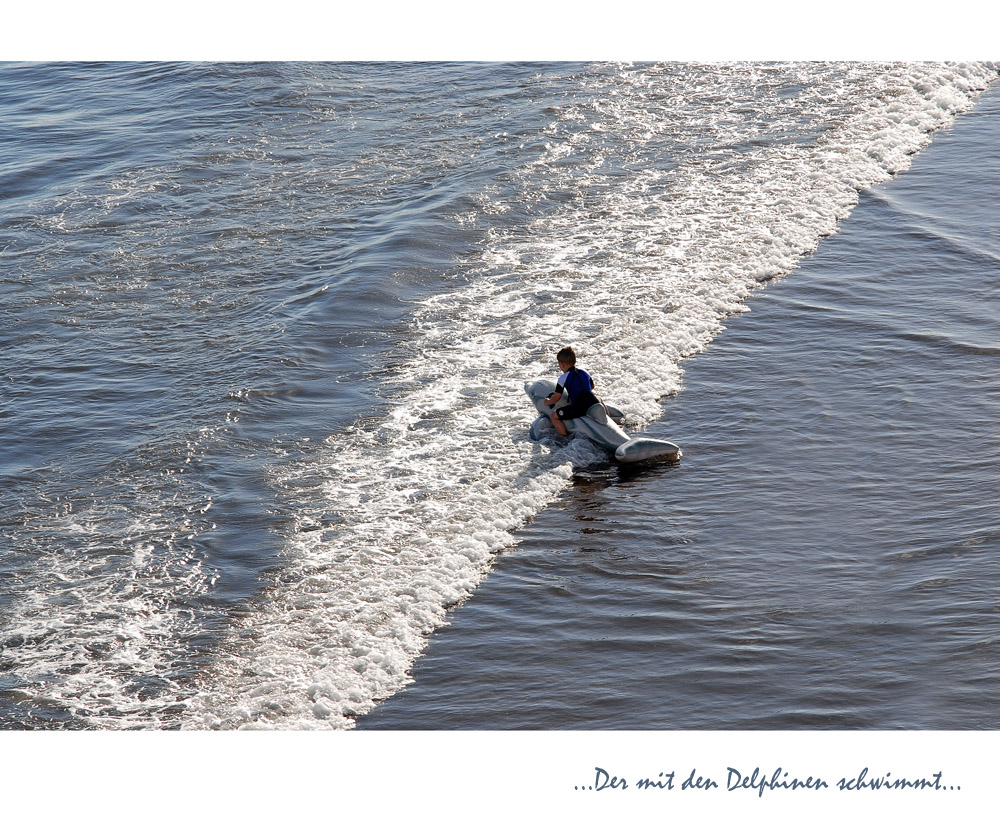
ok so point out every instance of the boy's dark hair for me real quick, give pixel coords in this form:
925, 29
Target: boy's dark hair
567, 355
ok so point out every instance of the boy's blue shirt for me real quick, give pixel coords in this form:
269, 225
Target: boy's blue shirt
571, 381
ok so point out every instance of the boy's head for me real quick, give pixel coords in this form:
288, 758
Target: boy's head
567, 357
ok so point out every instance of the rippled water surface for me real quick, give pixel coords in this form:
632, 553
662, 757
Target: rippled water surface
825, 556
265, 328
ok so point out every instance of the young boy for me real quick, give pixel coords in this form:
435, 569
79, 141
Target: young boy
580, 387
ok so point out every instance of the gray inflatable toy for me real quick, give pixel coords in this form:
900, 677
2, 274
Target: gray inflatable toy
600, 426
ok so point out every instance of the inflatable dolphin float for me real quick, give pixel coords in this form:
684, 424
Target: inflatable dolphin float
600, 426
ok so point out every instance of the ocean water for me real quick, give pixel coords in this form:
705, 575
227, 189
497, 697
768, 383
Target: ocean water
264, 442
825, 555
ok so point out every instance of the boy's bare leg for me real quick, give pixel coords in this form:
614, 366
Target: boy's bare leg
558, 424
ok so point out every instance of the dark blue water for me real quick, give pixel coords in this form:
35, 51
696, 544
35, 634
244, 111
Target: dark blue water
261, 426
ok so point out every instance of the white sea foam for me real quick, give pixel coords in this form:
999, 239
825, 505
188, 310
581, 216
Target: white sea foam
110, 609
678, 189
